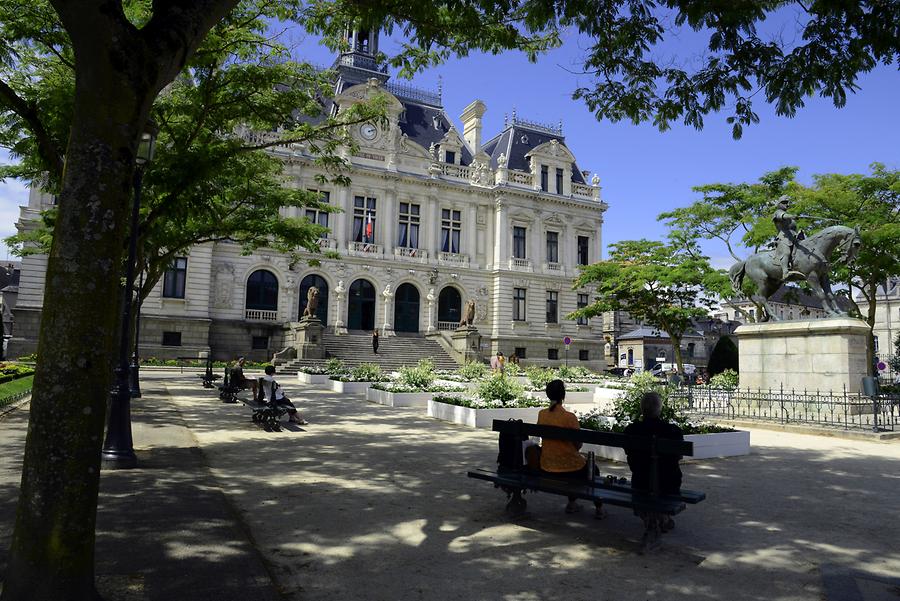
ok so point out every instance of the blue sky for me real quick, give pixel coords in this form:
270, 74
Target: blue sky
644, 172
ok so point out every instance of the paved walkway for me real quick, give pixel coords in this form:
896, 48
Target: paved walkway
372, 503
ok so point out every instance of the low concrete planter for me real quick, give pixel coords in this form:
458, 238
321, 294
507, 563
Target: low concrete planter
350, 387
706, 446
605, 397
398, 399
479, 418
305, 378
470, 386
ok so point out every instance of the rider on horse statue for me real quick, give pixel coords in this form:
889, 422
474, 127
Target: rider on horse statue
787, 239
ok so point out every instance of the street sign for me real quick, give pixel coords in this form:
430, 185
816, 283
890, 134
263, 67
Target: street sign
567, 341
881, 366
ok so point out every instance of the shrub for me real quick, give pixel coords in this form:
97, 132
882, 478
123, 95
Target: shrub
335, 367
539, 376
501, 389
473, 370
366, 372
628, 408
419, 377
727, 379
32, 358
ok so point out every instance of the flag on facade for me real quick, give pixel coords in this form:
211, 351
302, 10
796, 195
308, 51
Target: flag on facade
368, 227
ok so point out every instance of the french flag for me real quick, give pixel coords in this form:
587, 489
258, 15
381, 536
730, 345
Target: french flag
369, 227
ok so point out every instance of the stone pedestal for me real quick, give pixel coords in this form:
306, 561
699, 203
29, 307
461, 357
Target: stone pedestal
467, 342
307, 338
815, 354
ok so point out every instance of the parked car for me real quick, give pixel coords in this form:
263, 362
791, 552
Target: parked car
617, 371
662, 370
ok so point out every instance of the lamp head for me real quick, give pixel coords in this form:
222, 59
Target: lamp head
147, 145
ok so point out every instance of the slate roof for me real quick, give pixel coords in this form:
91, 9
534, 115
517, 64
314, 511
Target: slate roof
419, 125
647, 332
516, 141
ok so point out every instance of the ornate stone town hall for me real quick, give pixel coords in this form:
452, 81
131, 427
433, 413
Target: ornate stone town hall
436, 216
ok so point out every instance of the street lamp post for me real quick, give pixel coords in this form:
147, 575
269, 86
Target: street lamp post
118, 448
135, 358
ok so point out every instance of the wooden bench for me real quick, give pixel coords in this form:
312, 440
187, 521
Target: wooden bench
515, 478
208, 377
228, 391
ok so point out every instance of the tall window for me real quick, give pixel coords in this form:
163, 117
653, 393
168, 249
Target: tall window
363, 219
583, 250
545, 176
559, 180
317, 216
173, 281
518, 242
408, 232
518, 304
552, 306
450, 157
262, 291
451, 224
582, 303
553, 247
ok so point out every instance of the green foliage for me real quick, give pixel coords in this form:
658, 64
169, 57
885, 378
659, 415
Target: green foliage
473, 370
539, 376
15, 371
728, 380
335, 367
894, 361
14, 389
366, 372
664, 285
32, 358
628, 68
500, 388
419, 377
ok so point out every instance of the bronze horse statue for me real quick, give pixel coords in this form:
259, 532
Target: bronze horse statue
810, 258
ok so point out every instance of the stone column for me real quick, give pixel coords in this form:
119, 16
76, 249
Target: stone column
470, 231
387, 216
537, 243
340, 327
341, 229
387, 329
431, 221
501, 234
430, 329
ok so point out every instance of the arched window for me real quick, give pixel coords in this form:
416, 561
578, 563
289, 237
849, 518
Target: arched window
406, 309
361, 306
262, 291
320, 283
449, 305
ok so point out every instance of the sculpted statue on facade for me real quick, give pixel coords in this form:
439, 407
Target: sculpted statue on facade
501, 160
312, 302
468, 316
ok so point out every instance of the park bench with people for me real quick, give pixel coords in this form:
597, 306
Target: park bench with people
265, 411
229, 389
515, 477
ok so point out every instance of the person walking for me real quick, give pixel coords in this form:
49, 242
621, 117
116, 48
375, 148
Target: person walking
375, 342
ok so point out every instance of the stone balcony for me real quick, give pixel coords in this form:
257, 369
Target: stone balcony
554, 268
453, 259
417, 255
364, 249
517, 264
260, 315
327, 244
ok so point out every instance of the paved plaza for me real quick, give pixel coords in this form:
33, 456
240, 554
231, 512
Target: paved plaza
372, 503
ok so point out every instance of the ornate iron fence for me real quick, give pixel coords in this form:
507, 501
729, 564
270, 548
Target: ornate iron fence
847, 411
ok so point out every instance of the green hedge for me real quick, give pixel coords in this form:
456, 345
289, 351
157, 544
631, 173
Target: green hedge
14, 390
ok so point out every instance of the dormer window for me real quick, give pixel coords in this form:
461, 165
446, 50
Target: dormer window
545, 176
450, 157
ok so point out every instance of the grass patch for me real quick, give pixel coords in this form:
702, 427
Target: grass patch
9, 391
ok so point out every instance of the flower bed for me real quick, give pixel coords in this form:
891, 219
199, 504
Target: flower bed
397, 394
572, 396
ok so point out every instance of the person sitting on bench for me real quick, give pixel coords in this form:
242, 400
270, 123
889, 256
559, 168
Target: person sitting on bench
274, 389
239, 380
561, 457
668, 471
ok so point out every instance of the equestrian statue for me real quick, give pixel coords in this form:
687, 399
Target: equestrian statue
796, 257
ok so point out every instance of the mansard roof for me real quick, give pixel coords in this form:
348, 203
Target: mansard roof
426, 125
518, 139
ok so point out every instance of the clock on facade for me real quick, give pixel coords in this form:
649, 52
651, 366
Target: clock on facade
368, 131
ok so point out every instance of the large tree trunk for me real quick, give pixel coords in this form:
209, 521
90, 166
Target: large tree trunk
872, 286
52, 552
676, 350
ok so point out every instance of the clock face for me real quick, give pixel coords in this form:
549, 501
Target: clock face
368, 131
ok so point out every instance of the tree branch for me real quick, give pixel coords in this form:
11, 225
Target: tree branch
28, 112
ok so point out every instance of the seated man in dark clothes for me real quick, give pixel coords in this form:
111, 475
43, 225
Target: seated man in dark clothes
669, 473
238, 378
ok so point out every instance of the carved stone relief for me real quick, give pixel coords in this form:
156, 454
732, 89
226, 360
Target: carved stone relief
223, 285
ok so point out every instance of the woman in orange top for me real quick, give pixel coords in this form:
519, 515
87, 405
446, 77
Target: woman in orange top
561, 457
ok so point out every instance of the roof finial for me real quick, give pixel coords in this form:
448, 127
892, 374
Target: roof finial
440, 87
560, 126
514, 116
505, 120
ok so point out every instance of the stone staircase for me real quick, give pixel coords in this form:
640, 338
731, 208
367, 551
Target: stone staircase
393, 352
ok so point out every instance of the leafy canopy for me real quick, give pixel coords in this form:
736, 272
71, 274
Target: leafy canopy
665, 285
816, 48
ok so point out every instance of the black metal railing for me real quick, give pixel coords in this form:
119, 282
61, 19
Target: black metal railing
844, 410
